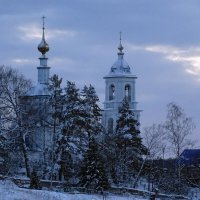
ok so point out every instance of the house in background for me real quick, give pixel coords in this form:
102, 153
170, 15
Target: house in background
190, 157
190, 165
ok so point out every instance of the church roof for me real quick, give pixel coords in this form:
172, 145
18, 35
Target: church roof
120, 66
39, 90
190, 157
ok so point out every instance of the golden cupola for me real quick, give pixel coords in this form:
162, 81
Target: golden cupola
43, 47
43, 69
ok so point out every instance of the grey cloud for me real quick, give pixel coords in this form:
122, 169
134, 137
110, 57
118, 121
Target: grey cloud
93, 49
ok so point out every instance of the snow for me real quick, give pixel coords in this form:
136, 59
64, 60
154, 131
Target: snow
39, 89
9, 191
120, 67
195, 194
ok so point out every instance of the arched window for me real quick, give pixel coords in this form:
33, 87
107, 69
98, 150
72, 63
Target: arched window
111, 92
128, 92
110, 125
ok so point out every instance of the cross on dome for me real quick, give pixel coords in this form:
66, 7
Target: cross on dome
120, 47
120, 67
43, 47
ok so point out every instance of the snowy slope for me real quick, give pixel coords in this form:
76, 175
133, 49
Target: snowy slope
9, 191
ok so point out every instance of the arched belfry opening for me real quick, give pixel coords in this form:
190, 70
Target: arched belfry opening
110, 125
120, 84
128, 92
112, 92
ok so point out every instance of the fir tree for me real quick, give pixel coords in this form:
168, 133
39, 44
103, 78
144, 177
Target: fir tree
72, 115
110, 152
129, 147
56, 98
56, 102
92, 116
92, 173
66, 165
69, 142
73, 119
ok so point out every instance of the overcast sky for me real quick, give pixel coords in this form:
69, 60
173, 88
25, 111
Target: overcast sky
161, 40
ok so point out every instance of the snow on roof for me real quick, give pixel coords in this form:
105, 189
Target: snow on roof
39, 90
120, 66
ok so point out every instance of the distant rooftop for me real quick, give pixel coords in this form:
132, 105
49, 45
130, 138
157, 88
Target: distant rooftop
190, 157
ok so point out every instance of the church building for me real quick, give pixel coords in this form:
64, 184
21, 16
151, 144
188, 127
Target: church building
120, 84
39, 138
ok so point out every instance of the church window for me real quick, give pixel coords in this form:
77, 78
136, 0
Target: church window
111, 92
110, 125
128, 92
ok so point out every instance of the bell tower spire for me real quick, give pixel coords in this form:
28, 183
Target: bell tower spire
120, 84
120, 47
43, 48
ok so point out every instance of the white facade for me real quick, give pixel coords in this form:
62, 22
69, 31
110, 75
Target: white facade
120, 83
36, 104
41, 89
43, 71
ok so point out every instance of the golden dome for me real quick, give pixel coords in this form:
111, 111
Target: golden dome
43, 47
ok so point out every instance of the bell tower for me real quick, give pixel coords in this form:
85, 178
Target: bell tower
120, 83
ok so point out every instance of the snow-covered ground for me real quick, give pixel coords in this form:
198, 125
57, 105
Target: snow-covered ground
9, 191
195, 194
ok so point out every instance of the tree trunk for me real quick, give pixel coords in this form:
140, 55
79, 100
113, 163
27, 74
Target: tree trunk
26, 160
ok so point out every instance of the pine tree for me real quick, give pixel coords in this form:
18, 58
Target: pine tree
109, 150
129, 147
73, 119
72, 115
92, 111
56, 102
92, 173
70, 141
92, 130
66, 165
56, 99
